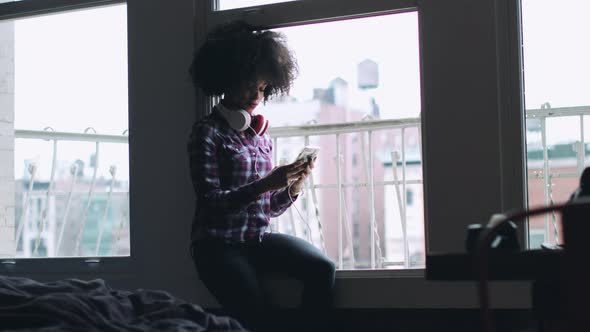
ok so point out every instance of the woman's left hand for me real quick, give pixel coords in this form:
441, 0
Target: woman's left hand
297, 185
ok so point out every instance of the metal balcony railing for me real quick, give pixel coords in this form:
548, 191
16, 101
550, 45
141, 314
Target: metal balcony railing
89, 135
366, 128
579, 148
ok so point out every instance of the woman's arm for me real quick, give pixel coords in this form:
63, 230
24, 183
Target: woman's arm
280, 201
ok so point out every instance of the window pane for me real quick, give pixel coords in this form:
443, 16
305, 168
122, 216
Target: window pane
556, 53
346, 76
231, 4
64, 79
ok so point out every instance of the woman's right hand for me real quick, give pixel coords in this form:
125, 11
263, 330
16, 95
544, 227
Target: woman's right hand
281, 176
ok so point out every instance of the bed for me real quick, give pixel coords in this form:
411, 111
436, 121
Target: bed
77, 305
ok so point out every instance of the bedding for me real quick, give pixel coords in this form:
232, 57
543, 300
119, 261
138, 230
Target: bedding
76, 305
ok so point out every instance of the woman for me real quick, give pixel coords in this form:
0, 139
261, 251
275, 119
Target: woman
238, 190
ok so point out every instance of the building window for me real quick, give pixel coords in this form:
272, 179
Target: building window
63, 84
556, 71
409, 197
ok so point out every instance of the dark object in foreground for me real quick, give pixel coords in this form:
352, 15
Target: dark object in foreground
76, 305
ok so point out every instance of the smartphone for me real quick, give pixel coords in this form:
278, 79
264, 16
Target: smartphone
308, 153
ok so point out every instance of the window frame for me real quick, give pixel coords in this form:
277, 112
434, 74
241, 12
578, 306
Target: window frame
499, 184
510, 69
56, 265
300, 12
295, 13
25, 8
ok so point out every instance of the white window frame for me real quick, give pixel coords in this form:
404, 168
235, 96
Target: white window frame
65, 265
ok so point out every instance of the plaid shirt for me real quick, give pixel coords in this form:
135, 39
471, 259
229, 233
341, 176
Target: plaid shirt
224, 165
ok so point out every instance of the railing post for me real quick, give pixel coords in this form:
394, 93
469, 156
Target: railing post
546, 177
124, 217
346, 220
582, 148
340, 198
275, 226
47, 206
405, 201
25, 206
77, 249
113, 172
74, 172
371, 197
308, 208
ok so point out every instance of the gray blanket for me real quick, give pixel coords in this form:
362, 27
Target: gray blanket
76, 305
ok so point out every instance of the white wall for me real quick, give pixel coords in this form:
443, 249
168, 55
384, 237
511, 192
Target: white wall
460, 114
161, 111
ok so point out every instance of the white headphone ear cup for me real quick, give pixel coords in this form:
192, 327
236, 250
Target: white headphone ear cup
244, 120
238, 120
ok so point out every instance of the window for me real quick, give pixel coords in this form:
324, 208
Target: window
359, 100
556, 71
63, 84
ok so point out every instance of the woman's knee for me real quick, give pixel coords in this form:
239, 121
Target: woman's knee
323, 268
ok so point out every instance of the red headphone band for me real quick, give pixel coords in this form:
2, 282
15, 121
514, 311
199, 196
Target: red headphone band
264, 128
259, 124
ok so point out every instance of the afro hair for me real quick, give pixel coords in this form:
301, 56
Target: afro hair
236, 53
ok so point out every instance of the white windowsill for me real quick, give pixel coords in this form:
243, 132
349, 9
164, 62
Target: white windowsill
382, 273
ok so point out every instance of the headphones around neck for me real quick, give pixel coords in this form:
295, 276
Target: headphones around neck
241, 120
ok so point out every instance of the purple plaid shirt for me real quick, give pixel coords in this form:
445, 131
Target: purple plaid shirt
224, 164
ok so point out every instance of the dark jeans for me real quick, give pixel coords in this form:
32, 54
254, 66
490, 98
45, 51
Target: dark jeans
231, 273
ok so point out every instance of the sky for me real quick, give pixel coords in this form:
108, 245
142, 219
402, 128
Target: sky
71, 74
328, 51
556, 56
71, 69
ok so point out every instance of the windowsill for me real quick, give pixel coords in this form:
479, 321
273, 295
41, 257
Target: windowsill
66, 265
57, 265
404, 289
382, 273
